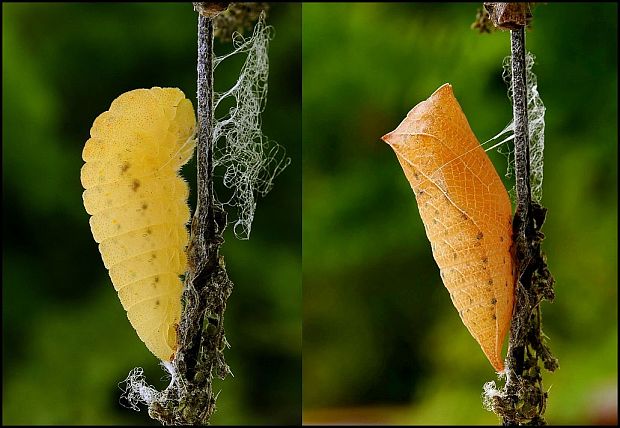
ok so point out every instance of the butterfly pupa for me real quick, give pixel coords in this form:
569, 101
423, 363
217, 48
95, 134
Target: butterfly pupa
466, 213
138, 206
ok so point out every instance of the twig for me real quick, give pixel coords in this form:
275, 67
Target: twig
189, 400
522, 145
522, 175
516, 348
523, 399
207, 285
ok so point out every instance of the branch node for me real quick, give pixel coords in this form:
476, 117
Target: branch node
509, 16
210, 9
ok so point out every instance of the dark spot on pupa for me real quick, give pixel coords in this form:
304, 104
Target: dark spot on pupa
135, 184
479, 236
145, 206
125, 167
494, 317
493, 301
490, 282
149, 231
153, 256
506, 283
118, 226
157, 302
156, 279
470, 300
454, 255
436, 212
465, 217
501, 239
434, 221
504, 259
415, 174
485, 260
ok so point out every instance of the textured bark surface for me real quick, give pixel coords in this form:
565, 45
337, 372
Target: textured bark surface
190, 400
466, 213
201, 354
523, 399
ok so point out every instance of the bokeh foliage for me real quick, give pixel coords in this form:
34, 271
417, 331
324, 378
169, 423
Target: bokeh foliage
66, 340
379, 327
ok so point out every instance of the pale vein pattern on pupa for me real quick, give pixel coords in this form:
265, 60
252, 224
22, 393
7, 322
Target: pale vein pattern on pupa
466, 213
138, 206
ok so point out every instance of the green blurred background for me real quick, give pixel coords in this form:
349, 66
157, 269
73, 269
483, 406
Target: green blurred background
66, 339
382, 341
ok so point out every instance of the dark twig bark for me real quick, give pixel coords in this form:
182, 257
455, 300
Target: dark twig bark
522, 175
207, 287
523, 399
522, 145
200, 356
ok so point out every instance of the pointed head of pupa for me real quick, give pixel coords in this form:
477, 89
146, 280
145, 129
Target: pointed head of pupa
416, 119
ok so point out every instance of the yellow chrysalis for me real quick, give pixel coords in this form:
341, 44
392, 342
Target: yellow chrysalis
138, 206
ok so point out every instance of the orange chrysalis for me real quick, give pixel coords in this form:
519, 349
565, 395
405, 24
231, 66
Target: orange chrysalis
466, 212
